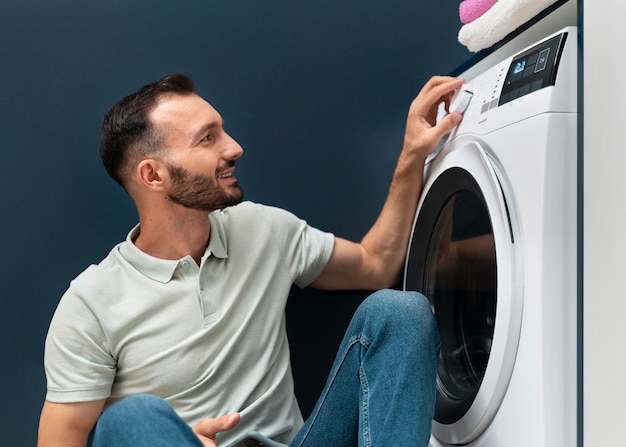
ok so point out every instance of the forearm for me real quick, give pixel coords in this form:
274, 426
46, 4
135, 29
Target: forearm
67, 425
387, 240
53, 435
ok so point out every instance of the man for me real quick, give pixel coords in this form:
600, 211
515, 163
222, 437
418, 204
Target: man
184, 321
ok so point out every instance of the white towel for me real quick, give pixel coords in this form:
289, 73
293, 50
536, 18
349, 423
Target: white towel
504, 17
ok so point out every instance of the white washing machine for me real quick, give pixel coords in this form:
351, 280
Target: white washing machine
494, 248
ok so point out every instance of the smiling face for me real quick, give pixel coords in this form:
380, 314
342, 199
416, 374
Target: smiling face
199, 155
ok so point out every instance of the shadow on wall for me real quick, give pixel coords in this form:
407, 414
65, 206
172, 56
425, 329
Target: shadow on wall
313, 341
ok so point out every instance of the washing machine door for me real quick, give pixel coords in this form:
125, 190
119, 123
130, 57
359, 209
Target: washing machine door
463, 256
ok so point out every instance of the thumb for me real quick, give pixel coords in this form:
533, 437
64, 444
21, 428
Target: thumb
228, 421
231, 420
448, 123
210, 427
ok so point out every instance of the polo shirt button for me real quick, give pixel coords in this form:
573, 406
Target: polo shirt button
185, 264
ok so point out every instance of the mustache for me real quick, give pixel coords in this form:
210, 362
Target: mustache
228, 165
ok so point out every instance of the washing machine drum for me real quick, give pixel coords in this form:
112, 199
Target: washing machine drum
461, 256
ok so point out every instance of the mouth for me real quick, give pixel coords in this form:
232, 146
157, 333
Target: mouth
227, 174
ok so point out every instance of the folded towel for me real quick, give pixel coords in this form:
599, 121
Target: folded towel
504, 17
470, 10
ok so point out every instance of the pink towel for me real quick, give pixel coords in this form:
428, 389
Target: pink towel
470, 10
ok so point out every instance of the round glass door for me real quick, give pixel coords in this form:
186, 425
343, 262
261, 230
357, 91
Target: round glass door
460, 280
462, 257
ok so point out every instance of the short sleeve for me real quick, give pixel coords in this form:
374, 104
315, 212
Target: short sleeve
306, 250
78, 363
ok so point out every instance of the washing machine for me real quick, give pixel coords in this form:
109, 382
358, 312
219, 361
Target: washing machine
494, 248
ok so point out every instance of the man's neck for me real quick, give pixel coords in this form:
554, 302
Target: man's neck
174, 236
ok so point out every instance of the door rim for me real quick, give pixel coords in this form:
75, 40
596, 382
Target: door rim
478, 160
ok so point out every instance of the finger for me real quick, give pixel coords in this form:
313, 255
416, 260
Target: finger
427, 102
441, 84
440, 89
447, 123
435, 81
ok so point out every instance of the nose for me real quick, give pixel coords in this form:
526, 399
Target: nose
232, 150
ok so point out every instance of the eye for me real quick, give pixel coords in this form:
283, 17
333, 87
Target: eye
209, 138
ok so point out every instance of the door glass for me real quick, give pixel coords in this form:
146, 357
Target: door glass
461, 282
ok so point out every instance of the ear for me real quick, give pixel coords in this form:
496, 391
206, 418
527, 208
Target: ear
152, 173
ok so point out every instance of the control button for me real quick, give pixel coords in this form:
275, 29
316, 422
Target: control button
514, 77
542, 60
524, 90
461, 99
530, 69
537, 85
532, 59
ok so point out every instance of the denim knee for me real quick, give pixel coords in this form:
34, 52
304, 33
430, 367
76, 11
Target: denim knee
143, 420
132, 407
401, 312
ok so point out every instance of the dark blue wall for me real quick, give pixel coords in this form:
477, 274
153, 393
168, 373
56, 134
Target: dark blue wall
316, 93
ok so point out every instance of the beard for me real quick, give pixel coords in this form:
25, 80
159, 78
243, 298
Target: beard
200, 191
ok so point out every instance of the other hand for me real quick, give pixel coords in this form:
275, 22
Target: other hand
208, 428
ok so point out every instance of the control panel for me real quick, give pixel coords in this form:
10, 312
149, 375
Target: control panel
507, 85
533, 69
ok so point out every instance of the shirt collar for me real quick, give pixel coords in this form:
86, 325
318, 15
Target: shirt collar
162, 270
217, 243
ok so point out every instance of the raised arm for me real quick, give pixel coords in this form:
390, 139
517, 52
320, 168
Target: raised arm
67, 424
376, 262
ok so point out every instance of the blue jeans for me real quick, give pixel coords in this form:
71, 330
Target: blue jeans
380, 392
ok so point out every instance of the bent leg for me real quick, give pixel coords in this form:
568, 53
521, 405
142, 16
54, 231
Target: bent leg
381, 390
143, 420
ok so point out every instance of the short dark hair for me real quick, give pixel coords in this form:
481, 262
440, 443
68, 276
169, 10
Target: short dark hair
126, 132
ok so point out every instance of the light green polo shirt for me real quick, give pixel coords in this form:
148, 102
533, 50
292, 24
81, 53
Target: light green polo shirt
210, 339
